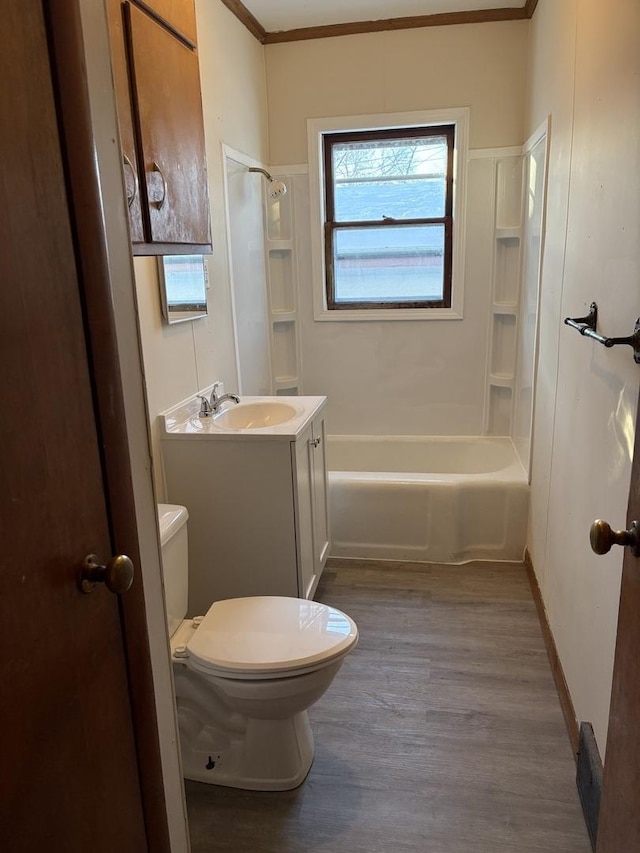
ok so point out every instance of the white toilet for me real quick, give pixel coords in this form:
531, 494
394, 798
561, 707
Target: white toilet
245, 674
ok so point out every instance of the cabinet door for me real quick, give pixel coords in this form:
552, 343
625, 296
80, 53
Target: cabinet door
319, 495
180, 15
125, 118
166, 83
301, 453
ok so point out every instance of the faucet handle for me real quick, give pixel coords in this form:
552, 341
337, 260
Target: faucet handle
214, 392
205, 407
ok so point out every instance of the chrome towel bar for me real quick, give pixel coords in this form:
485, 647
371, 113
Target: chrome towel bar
587, 327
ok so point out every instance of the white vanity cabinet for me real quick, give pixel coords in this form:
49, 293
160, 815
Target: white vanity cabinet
257, 502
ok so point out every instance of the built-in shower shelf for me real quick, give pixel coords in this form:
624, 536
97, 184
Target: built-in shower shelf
285, 381
284, 316
508, 233
280, 245
505, 307
501, 380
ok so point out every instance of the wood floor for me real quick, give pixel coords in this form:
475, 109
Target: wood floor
442, 733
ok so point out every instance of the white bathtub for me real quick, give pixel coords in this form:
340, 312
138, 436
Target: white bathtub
431, 499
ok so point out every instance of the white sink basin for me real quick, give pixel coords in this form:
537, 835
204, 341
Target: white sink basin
255, 415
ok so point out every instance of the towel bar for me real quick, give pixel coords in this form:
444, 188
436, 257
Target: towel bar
587, 327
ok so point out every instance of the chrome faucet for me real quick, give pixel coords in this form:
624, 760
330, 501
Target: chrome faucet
211, 406
215, 402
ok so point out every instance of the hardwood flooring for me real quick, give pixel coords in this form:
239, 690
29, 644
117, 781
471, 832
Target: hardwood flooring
442, 733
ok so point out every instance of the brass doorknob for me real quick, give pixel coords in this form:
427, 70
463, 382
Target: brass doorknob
117, 574
603, 538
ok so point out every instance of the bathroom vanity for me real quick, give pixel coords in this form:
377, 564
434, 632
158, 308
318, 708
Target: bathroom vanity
254, 480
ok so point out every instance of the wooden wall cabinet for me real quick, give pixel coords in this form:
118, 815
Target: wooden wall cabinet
177, 15
157, 84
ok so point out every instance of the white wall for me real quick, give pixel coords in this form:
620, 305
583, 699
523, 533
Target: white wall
416, 376
181, 359
585, 73
482, 66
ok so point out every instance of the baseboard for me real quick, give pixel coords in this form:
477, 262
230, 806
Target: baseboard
556, 667
378, 563
589, 779
371, 563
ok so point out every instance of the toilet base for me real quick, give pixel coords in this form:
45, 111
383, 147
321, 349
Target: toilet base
266, 755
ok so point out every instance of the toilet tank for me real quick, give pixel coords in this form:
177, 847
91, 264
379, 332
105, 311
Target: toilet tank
175, 566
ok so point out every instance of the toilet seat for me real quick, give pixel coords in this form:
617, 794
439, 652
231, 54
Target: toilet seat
263, 637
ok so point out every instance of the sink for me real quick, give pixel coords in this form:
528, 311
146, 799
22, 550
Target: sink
264, 418
255, 415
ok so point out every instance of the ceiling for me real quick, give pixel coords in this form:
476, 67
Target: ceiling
282, 15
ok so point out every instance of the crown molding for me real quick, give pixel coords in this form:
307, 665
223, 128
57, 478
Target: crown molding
443, 19
357, 27
245, 17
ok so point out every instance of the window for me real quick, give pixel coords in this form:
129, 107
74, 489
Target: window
387, 198
389, 218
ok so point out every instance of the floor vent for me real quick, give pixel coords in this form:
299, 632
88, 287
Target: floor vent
589, 779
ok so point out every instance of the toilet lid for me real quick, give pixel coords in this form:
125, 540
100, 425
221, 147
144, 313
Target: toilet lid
269, 634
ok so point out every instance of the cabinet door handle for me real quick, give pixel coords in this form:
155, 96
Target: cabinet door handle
314, 442
127, 162
156, 168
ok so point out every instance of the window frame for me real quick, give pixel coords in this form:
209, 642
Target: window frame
317, 128
332, 226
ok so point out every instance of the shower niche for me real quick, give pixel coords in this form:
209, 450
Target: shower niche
505, 295
282, 292
520, 195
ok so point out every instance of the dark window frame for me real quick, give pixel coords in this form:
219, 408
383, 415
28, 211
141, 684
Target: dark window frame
331, 227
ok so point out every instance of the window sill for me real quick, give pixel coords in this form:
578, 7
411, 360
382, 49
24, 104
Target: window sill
365, 315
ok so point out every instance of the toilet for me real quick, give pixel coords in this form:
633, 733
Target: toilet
245, 674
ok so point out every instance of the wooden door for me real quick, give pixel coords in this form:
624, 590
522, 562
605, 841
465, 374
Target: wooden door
619, 822
69, 773
168, 111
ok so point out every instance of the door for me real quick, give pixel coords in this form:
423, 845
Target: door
619, 822
69, 774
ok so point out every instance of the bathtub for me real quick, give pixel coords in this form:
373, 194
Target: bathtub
430, 499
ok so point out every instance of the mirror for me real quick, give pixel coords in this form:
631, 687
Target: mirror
183, 287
